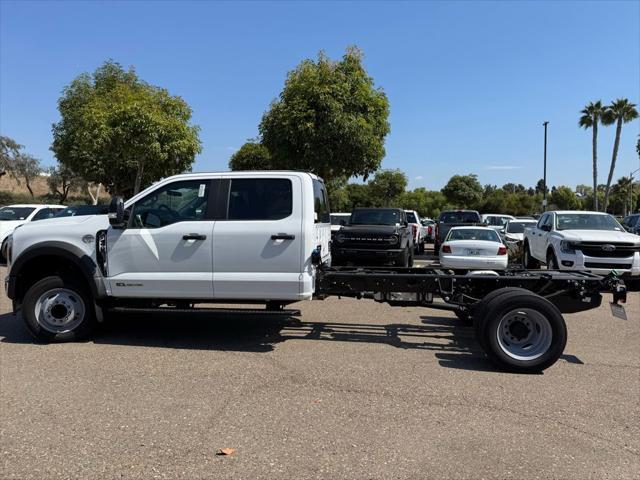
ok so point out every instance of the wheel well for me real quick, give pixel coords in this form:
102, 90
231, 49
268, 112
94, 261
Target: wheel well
550, 249
43, 266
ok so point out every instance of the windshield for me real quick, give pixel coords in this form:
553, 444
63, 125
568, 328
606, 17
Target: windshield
473, 234
587, 221
15, 213
336, 219
460, 217
375, 217
411, 218
83, 210
518, 227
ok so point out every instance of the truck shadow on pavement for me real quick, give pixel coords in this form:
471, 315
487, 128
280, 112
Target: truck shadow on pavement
454, 344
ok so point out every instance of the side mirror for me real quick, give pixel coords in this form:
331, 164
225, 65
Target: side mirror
546, 228
405, 224
116, 213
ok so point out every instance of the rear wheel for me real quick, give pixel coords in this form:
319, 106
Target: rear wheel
523, 332
56, 309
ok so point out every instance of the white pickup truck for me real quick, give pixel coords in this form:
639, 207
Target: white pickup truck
234, 237
586, 241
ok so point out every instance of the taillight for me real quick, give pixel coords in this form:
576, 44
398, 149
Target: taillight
446, 249
429, 230
414, 228
502, 250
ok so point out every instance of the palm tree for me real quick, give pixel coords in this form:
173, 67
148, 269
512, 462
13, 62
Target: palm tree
591, 116
619, 112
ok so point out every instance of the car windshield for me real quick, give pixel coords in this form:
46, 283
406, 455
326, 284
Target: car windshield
518, 227
460, 217
473, 234
587, 221
83, 210
411, 218
375, 217
336, 219
15, 213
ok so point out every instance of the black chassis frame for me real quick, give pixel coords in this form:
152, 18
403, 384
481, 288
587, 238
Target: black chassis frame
569, 291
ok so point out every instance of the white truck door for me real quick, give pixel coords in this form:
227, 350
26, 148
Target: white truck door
258, 238
539, 237
165, 252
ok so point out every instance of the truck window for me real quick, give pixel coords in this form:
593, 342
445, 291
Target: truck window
321, 202
172, 203
43, 214
411, 218
460, 217
260, 199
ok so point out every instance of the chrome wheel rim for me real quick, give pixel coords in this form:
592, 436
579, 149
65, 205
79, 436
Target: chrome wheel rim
59, 310
524, 334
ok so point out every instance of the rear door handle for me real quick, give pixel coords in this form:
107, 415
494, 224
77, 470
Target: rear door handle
194, 236
282, 236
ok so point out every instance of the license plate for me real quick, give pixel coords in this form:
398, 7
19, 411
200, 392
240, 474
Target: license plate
473, 251
618, 311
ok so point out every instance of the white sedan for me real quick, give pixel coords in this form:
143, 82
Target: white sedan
473, 248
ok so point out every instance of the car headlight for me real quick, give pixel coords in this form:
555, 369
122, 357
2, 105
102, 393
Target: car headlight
340, 238
567, 247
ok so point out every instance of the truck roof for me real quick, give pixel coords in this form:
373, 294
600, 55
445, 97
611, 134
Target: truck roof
242, 173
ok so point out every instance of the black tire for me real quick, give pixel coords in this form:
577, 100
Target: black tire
528, 261
478, 311
410, 263
527, 307
3, 249
421, 248
76, 296
403, 259
436, 249
552, 261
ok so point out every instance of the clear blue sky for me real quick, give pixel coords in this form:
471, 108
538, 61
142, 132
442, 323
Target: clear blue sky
469, 83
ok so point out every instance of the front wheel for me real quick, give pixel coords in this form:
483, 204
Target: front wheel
552, 261
56, 309
528, 261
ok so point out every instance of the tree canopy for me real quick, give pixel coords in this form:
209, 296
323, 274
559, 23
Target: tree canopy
121, 131
251, 156
463, 190
329, 119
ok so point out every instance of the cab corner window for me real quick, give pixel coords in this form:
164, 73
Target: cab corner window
321, 202
172, 203
260, 199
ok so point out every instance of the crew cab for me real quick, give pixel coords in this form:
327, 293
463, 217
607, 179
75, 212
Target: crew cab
576, 240
374, 236
235, 237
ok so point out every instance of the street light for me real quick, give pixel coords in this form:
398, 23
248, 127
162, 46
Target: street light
631, 190
544, 179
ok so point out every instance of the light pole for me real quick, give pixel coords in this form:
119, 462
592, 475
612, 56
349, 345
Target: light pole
544, 178
631, 190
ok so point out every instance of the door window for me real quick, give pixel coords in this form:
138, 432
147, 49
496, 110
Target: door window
43, 214
172, 203
260, 199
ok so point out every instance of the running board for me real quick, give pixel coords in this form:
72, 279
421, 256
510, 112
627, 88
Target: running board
218, 311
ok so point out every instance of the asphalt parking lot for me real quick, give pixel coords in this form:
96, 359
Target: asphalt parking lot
351, 389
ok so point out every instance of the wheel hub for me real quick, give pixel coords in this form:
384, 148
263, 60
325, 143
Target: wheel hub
59, 310
524, 334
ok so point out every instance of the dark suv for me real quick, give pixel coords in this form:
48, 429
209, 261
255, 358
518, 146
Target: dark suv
374, 236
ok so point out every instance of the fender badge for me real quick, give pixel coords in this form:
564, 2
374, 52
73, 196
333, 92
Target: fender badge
88, 239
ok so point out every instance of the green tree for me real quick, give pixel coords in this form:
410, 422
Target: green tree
564, 198
26, 168
386, 187
329, 119
358, 195
591, 116
118, 130
463, 190
619, 112
251, 156
62, 180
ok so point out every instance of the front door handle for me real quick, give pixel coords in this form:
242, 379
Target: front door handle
194, 236
282, 236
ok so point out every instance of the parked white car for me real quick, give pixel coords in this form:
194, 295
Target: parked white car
419, 232
496, 221
13, 216
473, 248
576, 240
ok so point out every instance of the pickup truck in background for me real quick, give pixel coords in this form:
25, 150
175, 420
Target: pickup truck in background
418, 230
374, 236
450, 219
576, 240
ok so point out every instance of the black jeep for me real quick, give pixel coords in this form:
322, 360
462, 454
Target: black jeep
374, 236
